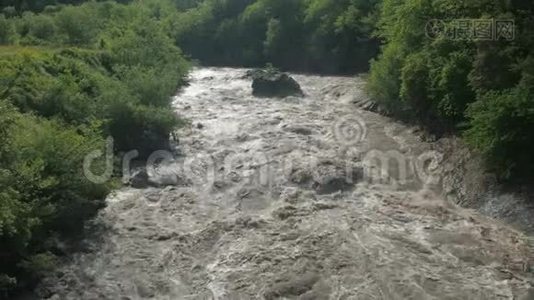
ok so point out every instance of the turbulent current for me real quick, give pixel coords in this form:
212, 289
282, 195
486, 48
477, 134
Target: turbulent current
295, 198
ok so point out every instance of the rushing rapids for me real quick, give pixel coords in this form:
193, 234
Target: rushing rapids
295, 198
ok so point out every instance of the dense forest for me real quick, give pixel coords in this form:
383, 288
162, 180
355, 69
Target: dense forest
320, 36
70, 77
74, 72
478, 87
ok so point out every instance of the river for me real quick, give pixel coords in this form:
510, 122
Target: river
296, 198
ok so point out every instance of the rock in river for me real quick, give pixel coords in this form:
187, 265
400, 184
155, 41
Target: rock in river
273, 83
140, 180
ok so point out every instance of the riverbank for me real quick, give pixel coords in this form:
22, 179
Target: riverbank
468, 183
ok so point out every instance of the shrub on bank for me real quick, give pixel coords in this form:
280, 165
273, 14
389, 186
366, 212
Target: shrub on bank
502, 128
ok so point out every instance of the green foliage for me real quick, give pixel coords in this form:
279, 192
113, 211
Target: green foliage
7, 31
58, 104
9, 11
151, 124
317, 35
40, 264
414, 84
136, 65
502, 128
48, 162
448, 83
77, 25
38, 5
43, 189
384, 80
43, 27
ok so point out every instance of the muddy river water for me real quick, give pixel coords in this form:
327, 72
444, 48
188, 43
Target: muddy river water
296, 198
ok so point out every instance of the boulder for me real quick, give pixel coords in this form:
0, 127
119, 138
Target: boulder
332, 176
140, 180
273, 83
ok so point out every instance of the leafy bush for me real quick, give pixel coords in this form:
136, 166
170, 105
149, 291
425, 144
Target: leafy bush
43, 190
9, 11
76, 87
77, 25
42, 28
7, 31
151, 125
51, 155
502, 128
415, 82
384, 81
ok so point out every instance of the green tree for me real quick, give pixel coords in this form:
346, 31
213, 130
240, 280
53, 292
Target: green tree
7, 31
